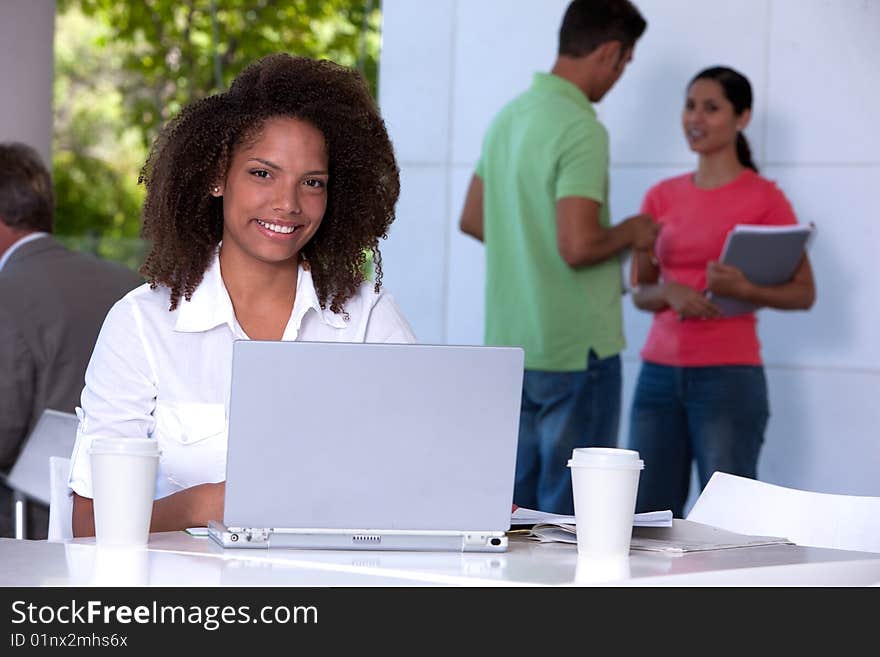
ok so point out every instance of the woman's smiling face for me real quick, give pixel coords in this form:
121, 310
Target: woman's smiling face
709, 119
275, 192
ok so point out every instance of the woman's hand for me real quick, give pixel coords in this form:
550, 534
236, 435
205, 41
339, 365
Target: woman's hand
688, 302
727, 281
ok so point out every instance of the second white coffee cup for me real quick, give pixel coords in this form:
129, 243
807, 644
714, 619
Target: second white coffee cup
604, 483
123, 485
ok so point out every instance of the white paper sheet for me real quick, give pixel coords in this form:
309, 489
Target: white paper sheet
738, 504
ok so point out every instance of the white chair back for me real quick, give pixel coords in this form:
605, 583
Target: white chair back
61, 500
53, 435
746, 506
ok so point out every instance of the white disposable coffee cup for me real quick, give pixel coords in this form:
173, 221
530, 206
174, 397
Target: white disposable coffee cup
123, 486
604, 481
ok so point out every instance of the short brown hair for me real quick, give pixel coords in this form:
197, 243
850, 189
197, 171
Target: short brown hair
588, 24
26, 198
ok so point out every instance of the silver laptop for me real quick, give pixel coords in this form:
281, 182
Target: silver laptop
371, 446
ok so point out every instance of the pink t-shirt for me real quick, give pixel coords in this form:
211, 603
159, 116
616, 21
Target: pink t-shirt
695, 224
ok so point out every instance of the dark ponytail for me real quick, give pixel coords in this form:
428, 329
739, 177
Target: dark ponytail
744, 153
738, 91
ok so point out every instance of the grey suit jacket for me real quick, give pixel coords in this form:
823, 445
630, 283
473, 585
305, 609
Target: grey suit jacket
52, 304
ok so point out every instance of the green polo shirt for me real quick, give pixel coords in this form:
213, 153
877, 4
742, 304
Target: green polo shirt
544, 145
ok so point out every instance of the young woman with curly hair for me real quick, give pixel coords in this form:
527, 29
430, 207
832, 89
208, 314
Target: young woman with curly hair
262, 202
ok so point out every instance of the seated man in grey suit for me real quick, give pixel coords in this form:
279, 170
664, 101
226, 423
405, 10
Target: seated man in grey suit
52, 304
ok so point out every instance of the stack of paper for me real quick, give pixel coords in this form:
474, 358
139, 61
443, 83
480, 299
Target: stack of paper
524, 516
655, 531
552, 527
689, 536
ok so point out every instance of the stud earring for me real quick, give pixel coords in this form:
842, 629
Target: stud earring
216, 190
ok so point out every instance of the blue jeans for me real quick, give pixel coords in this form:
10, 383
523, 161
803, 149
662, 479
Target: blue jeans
561, 411
714, 415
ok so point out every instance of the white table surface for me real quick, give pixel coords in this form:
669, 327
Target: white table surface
178, 559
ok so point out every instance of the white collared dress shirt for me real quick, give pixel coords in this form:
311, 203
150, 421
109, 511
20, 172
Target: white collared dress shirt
166, 375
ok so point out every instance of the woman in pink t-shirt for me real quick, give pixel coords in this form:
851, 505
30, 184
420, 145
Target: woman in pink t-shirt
701, 393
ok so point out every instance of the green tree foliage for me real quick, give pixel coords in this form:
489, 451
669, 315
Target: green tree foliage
96, 153
178, 51
124, 68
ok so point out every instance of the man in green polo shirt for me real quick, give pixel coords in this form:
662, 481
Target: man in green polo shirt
539, 202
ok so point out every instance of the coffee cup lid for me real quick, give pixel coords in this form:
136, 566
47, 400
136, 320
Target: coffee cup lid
605, 457
131, 446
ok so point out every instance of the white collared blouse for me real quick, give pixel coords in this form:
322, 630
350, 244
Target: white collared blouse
165, 375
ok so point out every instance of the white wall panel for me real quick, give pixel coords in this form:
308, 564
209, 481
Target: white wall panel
824, 72
415, 255
414, 78
467, 272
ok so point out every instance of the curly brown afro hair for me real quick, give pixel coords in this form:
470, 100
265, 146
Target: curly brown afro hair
184, 223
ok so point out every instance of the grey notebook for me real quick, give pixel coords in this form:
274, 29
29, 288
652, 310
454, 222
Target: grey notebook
767, 255
371, 446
